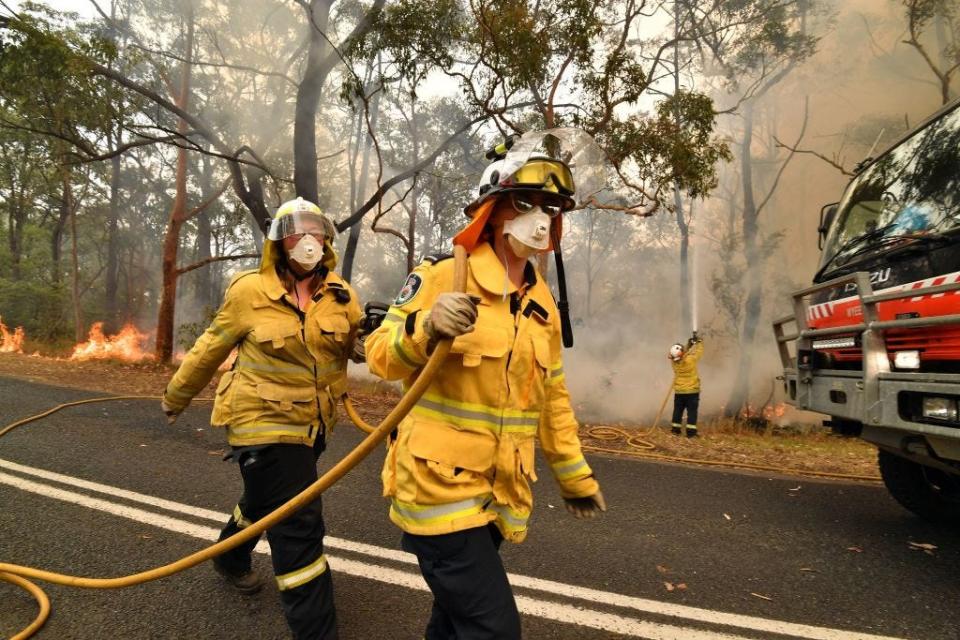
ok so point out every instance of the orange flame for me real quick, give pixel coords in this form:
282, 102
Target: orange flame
767, 412
123, 346
11, 342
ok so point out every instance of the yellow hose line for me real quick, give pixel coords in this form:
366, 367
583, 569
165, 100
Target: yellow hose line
308, 495
355, 416
38, 595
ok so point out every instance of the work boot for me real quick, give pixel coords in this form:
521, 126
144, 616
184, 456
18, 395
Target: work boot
691, 432
675, 430
247, 583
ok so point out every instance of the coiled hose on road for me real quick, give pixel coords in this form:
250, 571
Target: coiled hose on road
22, 575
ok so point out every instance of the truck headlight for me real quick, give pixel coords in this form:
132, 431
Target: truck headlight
907, 360
940, 408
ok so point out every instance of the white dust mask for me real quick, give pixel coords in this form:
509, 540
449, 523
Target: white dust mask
528, 233
307, 252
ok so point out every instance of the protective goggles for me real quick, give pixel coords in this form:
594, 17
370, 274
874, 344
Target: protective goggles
525, 201
544, 174
299, 225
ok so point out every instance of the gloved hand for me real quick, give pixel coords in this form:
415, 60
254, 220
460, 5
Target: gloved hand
452, 315
170, 411
359, 354
587, 507
695, 338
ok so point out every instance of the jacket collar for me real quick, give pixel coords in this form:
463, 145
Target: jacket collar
488, 271
275, 290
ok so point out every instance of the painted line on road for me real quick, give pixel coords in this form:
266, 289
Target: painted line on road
684, 612
531, 606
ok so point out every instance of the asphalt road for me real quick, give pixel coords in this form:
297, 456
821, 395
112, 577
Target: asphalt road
760, 556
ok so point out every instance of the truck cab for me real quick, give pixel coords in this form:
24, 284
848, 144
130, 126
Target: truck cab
875, 341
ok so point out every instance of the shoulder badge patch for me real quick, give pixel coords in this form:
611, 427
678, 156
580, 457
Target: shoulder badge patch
409, 290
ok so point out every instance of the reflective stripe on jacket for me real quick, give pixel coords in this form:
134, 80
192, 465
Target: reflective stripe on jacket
464, 456
686, 379
290, 367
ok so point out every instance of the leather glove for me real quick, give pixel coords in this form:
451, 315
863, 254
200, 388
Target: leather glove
452, 315
587, 507
170, 411
359, 354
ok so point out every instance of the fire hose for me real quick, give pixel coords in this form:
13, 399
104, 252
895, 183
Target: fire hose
21, 575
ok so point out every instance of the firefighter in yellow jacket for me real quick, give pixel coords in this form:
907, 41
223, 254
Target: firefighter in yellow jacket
459, 470
293, 322
686, 384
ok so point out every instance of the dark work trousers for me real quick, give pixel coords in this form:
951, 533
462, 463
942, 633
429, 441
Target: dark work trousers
472, 599
689, 402
271, 476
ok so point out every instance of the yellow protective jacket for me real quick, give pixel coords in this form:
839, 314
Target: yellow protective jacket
291, 366
686, 379
464, 456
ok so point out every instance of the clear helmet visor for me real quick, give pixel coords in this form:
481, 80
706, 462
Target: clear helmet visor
300, 224
580, 155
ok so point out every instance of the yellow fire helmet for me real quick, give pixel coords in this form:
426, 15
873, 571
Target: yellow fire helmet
298, 217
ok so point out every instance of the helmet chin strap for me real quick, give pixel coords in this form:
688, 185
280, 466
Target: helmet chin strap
566, 329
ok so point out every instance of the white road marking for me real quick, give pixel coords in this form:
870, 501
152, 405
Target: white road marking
683, 612
541, 608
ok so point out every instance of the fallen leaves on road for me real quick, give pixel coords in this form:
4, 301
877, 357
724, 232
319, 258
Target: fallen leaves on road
727, 516
926, 547
669, 586
808, 569
796, 488
663, 569
761, 596
855, 549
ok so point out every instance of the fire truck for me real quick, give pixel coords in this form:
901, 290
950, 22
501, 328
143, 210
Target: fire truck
874, 343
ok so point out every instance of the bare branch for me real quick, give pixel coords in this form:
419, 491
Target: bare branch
206, 261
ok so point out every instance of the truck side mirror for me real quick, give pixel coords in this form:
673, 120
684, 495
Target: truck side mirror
827, 214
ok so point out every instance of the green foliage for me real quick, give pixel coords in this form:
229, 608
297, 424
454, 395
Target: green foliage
45, 78
675, 146
36, 306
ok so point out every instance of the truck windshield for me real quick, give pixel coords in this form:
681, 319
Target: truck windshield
909, 193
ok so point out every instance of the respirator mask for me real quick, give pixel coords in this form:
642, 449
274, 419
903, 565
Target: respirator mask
307, 252
529, 233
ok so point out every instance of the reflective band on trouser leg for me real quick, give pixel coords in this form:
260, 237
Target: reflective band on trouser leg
238, 517
304, 575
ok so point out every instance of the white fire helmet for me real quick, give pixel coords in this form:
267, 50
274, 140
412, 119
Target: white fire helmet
676, 351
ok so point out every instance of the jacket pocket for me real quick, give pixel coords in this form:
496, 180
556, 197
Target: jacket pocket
222, 414
289, 405
449, 465
482, 342
273, 336
335, 326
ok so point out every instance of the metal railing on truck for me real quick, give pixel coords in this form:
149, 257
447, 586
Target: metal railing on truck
876, 360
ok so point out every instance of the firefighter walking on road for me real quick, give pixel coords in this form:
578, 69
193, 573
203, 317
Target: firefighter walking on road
294, 322
460, 467
686, 384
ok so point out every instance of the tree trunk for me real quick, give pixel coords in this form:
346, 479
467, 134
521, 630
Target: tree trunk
78, 326
202, 290
353, 240
308, 99
56, 239
113, 262
178, 213
739, 394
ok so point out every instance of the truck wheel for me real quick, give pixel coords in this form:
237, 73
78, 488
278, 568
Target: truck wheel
930, 493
